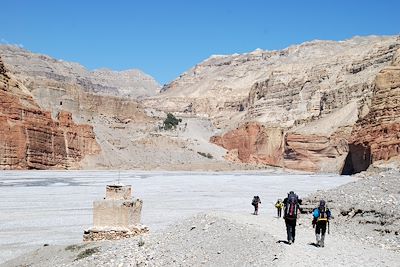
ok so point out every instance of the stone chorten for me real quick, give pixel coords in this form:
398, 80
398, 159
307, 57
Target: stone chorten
117, 216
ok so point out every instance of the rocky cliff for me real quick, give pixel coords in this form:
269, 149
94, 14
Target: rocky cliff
316, 94
57, 85
31, 139
253, 143
377, 135
26, 65
281, 88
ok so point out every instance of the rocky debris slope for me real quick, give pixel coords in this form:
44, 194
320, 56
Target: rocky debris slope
367, 208
217, 239
31, 139
377, 135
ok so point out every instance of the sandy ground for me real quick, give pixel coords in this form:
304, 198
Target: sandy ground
54, 207
219, 239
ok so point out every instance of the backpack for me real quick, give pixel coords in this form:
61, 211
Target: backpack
291, 207
322, 214
255, 201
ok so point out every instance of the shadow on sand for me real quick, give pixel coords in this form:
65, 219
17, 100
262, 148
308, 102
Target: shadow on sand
283, 241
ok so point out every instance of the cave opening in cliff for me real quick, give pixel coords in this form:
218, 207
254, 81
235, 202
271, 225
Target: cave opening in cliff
358, 159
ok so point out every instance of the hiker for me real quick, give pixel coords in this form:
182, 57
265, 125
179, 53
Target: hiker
279, 206
321, 216
291, 208
256, 200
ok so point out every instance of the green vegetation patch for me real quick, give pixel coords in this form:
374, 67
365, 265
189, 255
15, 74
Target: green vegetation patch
171, 122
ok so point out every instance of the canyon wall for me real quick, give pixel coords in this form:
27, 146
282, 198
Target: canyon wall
31, 139
318, 100
280, 88
57, 85
377, 135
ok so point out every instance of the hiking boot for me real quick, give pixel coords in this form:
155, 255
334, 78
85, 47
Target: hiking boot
318, 243
290, 242
322, 241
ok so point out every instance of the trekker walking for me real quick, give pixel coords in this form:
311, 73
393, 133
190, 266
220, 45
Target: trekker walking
255, 202
279, 206
291, 208
321, 216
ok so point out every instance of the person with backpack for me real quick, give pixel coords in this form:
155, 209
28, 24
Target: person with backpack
291, 209
321, 217
255, 202
279, 207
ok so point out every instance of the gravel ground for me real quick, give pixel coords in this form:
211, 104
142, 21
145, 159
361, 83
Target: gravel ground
368, 208
364, 232
219, 239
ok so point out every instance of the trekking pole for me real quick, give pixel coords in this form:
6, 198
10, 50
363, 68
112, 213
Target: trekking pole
328, 229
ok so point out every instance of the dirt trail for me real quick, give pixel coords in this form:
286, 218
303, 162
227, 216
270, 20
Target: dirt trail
339, 250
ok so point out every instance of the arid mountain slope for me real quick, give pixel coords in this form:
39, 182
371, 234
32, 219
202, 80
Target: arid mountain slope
129, 136
314, 93
31, 139
25, 64
280, 88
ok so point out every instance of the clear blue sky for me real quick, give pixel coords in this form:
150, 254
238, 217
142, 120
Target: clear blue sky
165, 38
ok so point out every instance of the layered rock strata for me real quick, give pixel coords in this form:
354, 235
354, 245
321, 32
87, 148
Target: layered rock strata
31, 139
318, 101
377, 135
282, 88
253, 143
30, 67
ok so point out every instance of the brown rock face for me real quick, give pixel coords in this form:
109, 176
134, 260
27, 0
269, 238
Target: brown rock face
31, 139
377, 135
253, 143
315, 153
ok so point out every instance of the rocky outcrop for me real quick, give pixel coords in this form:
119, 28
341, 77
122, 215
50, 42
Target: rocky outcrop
281, 88
57, 85
30, 67
253, 143
377, 135
316, 95
31, 139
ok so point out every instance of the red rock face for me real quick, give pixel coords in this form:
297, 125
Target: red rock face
379, 131
253, 143
315, 153
31, 139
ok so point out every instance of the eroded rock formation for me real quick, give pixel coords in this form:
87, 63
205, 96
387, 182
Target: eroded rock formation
253, 143
316, 94
377, 135
282, 88
31, 139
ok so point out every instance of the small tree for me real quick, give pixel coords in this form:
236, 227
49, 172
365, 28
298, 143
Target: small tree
171, 122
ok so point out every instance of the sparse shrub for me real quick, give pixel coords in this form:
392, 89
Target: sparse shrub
87, 253
171, 122
207, 155
74, 247
140, 243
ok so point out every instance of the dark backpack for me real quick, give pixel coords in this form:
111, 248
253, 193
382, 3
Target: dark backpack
292, 206
255, 201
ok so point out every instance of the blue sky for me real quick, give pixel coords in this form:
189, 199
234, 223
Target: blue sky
165, 38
